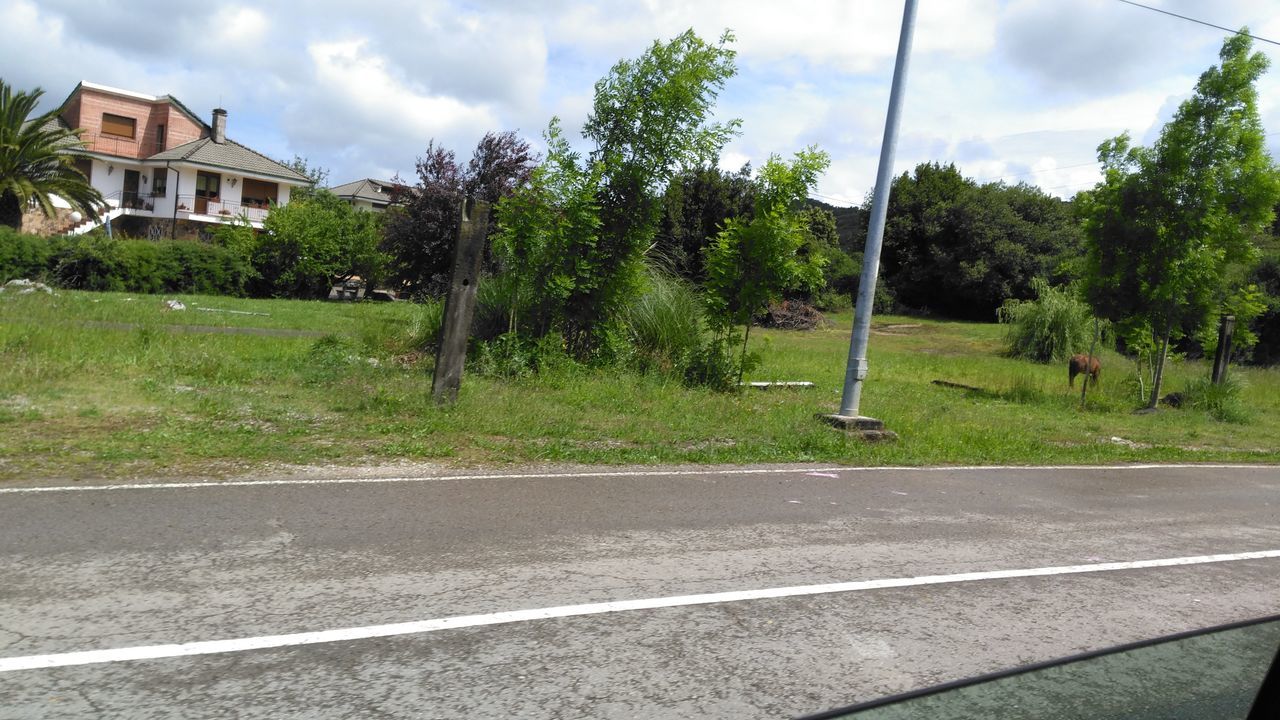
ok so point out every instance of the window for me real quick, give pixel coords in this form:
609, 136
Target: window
119, 125
256, 193
207, 185
159, 138
159, 181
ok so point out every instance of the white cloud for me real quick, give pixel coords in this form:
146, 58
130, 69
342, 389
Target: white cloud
357, 86
1015, 88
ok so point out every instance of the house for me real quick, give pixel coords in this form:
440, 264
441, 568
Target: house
367, 194
166, 171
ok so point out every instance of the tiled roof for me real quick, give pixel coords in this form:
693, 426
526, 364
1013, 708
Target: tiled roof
229, 155
369, 189
57, 124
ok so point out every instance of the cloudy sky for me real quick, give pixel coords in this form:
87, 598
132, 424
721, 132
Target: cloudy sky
1018, 90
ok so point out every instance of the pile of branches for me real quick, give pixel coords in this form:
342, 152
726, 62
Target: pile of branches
792, 315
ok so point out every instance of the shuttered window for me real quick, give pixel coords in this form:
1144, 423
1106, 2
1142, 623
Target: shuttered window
119, 125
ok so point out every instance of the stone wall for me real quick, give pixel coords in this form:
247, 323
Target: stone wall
162, 228
35, 222
133, 226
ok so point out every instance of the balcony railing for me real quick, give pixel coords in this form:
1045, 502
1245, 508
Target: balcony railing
117, 145
222, 209
130, 200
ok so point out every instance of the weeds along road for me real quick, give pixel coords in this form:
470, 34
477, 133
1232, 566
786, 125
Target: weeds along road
428, 597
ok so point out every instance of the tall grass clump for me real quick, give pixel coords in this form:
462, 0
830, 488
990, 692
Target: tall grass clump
425, 326
664, 323
1224, 401
1050, 328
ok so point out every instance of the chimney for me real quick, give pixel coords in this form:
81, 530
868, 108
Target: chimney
219, 125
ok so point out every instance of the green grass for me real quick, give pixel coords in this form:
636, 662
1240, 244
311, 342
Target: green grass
84, 399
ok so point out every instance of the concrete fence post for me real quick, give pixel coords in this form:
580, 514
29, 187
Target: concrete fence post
460, 305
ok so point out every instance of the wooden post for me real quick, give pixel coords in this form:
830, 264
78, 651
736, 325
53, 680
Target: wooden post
1226, 328
460, 305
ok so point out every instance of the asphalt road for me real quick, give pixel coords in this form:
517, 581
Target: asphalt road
151, 566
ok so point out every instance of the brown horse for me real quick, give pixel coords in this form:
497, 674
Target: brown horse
1083, 365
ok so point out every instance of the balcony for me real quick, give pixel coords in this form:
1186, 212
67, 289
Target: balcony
116, 145
132, 203
201, 208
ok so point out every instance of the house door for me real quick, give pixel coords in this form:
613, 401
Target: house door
207, 187
129, 198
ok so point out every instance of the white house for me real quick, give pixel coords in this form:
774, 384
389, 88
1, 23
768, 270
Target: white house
170, 173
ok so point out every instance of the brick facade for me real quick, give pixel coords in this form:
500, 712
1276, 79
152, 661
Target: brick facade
85, 111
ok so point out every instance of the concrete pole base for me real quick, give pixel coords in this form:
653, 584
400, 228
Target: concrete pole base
867, 428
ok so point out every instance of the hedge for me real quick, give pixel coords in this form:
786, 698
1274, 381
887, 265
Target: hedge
142, 266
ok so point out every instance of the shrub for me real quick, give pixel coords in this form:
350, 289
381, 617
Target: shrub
312, 241
27, 256
164, 266
1266, 326
92, 263
1050, 328
718, 364
511, 355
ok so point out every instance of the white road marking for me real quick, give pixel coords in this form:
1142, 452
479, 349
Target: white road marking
209, 647
618, 473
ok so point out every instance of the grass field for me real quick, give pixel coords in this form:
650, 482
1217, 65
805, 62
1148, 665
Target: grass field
106, 385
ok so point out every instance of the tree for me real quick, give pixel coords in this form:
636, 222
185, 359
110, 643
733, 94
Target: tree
650, 119
1167, 223
547, 238
1266, 276
37, 160
577, 234
695, 206
422, 221
422, 224
752, 261
318, 176
839, 272
311, 242
961, 249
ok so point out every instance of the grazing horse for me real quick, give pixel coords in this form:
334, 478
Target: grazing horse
1083, 365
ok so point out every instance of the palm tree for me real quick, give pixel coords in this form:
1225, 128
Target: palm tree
37, 157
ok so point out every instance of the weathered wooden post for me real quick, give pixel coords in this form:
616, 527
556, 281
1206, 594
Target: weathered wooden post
1226, 329
460, 305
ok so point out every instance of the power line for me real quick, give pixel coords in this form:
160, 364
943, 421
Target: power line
1202, 22
851, 203
1033, 172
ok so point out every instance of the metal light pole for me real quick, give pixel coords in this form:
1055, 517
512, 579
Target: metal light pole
856, 371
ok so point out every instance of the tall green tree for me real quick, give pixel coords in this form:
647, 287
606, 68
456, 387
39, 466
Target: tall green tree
695, 206
961, 249
548, 239
37, 160
752, 261
650, 120
1168, 223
